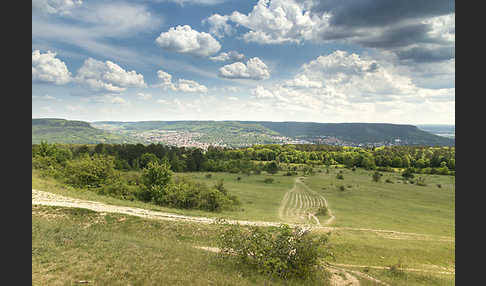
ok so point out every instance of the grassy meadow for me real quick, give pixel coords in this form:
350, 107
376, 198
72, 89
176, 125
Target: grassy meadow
119, 250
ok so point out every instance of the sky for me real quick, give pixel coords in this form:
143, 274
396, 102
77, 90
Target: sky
375, 61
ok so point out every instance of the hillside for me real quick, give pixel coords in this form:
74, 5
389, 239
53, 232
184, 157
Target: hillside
54, 130
231, 133
359, 132
264, 132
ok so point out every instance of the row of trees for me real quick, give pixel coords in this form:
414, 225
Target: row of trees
438, 160
155, 183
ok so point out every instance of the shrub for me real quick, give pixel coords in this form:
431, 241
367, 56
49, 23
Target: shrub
389, 181
408, 173
268, 180
208, 176
340, 176
421, 181
377, 176
342, 188
322, 211
90, 171
277, 252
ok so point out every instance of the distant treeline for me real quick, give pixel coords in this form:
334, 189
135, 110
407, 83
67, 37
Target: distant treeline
419, 159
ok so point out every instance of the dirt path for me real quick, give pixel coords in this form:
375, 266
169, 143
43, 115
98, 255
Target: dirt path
50, 199
300, 204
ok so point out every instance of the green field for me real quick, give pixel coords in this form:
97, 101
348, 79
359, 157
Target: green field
423, 218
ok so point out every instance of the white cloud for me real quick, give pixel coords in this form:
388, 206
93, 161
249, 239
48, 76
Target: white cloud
107, 76
162, 101
185, 40
272, 22
303, 81
260, 92
44, 97
253, 69
47, 68
183, 85
343, 85
218, 25
144, 96
120, 19
229, 56
110, 98
232, 98
186, 85
62, 7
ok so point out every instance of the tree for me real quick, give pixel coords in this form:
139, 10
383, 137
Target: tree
271, 167
147, 158
156, 178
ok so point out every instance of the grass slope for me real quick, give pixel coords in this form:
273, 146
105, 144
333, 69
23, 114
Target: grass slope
55, 130
117, 249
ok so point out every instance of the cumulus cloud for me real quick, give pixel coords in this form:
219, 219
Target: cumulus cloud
47, 68
107, 76
254, 69
229, 56
261, 92
418, 31
303, 81
183, 85
219, 26
270, 22
343, 82
185, 40
186, 85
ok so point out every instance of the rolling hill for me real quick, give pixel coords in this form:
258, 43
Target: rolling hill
232, 133
54, 130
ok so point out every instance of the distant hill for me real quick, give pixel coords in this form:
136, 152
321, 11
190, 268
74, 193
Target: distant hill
360, 132
445, 130
54, 130
265, 131
231, 133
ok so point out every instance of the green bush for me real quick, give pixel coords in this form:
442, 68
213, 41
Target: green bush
340, 176
277, 252
268, 180
89, 171
377, 176
322, 211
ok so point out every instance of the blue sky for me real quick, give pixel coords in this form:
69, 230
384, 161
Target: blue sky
279, 60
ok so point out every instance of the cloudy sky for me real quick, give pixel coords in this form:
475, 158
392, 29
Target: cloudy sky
279, 60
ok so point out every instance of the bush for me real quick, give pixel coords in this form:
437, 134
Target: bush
268, 180
421, 182
90, 171
322, 211
408, 173
120, 190
282, 252
376, 176
340, 176
342, 188
208, 176
389, 181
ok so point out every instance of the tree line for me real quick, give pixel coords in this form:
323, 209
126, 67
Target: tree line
420, 159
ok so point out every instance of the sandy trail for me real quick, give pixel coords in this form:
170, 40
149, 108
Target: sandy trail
50, 199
